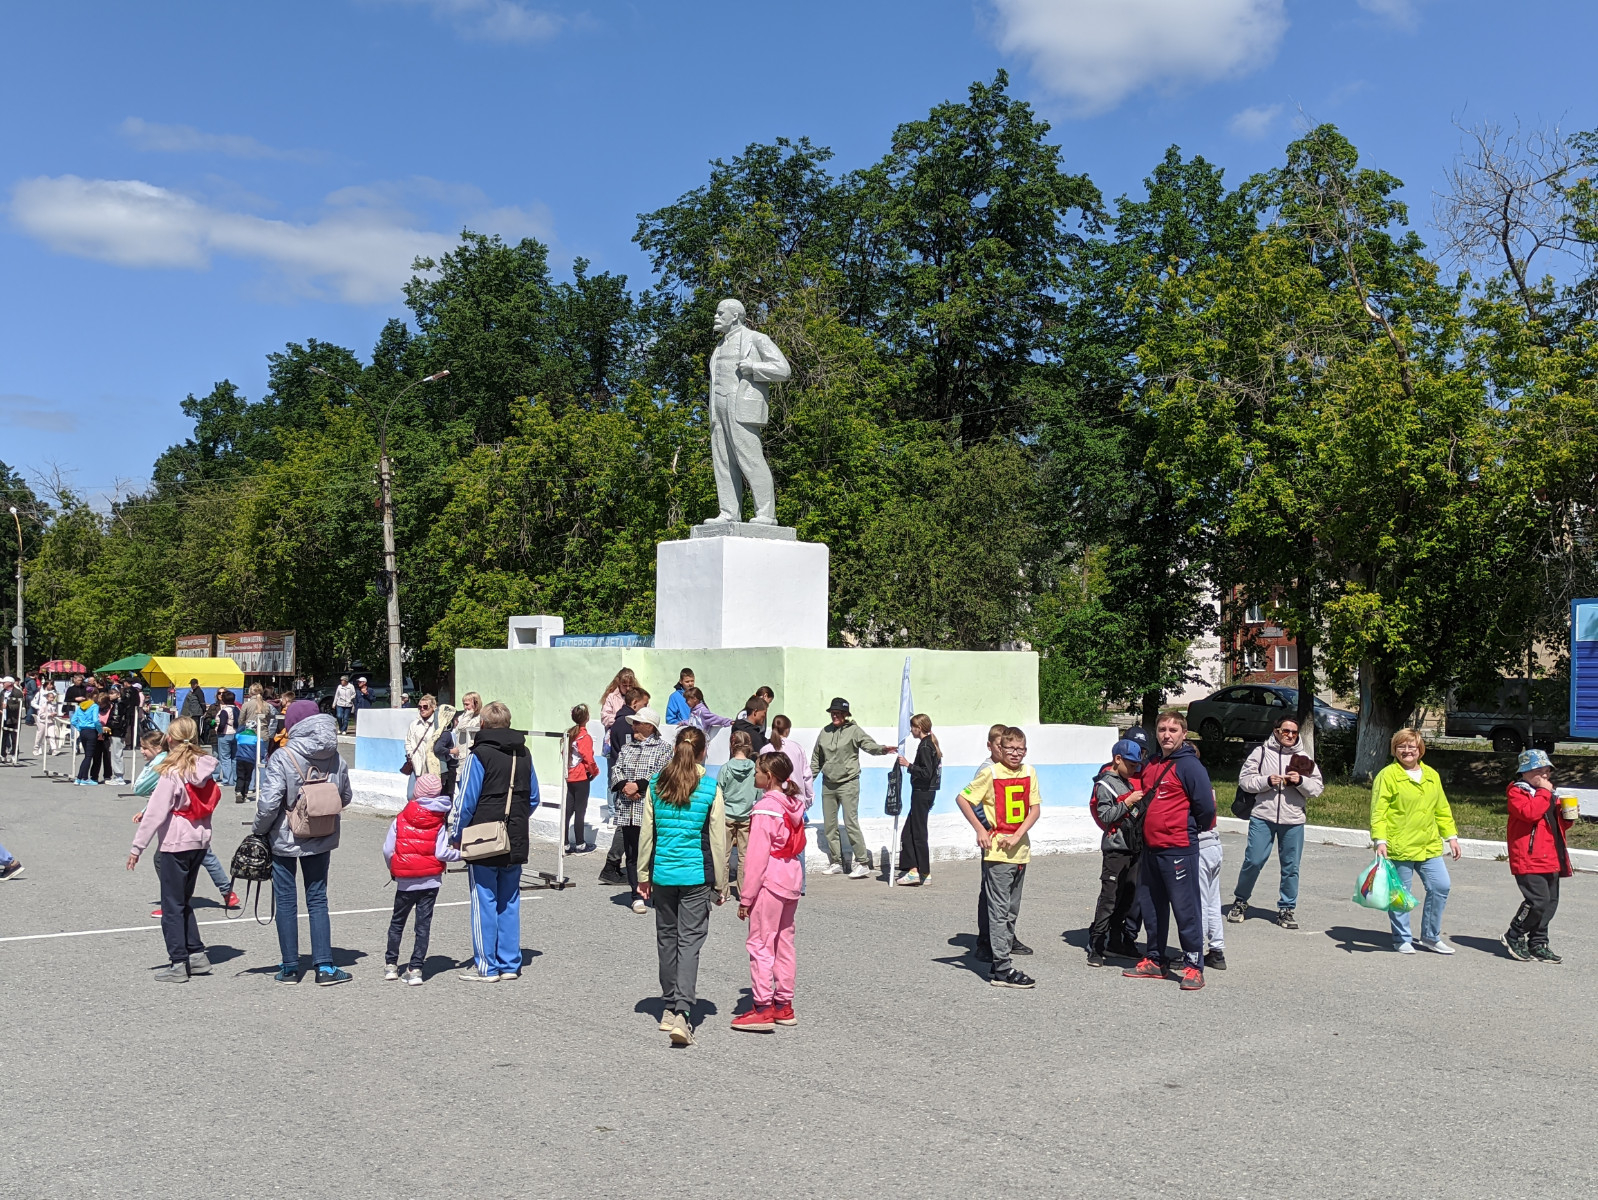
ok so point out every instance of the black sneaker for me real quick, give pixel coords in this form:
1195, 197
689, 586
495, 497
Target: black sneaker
611, 874
1545, 954
982, 954
1237, 912
1287, 918
331, 976
1516, 945
1216, 959
1095, 957
1017, 946
12, 869
1125, 949
1012, 979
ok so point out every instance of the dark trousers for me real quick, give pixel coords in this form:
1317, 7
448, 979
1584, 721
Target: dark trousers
629, 843
914, 850
421, 901
576, 813
177, 873
88, 740
1541, 901
984, 942
314, 867
682, 919
102, 757
1113, 917
1168, 882
617, 845
243, 770
1001, 889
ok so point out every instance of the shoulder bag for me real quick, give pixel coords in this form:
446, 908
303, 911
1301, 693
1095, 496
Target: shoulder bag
315, 813
490, 839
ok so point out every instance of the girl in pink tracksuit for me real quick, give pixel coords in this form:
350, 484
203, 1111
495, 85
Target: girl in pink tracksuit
769, 894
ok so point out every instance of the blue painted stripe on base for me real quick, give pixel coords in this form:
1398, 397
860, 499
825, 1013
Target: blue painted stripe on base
379, 754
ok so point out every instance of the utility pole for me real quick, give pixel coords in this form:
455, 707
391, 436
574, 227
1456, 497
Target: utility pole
20, 633
385, 474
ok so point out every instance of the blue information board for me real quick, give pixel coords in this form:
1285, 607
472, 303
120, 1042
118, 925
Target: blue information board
1584, 668
589, 641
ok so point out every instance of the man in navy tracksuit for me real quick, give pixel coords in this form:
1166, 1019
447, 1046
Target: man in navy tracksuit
1178, 803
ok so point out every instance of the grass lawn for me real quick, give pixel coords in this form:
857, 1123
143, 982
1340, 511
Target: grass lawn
1480, 809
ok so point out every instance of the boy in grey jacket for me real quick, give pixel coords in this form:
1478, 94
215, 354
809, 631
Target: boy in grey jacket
1116, 811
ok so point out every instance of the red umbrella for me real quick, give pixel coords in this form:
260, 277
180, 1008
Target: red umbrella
64, 666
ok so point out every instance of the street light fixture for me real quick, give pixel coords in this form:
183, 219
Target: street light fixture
396, 668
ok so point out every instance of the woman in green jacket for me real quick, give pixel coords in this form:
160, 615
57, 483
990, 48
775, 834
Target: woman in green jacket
682, 866
1410, 819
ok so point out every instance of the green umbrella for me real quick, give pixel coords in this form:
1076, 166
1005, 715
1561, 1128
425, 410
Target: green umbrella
133, 662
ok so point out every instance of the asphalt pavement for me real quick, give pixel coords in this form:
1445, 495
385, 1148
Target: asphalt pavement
1319, 1064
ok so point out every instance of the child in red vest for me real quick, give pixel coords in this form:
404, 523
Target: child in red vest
769, 895
416, 849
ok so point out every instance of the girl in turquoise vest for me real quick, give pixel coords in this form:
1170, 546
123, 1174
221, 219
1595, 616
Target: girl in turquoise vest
682, 866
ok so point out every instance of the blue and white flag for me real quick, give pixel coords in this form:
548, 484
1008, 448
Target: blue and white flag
906, 706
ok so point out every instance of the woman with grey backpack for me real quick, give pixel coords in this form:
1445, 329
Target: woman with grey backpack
305, 789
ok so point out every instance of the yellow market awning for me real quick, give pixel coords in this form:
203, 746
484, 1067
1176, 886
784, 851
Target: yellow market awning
176, 672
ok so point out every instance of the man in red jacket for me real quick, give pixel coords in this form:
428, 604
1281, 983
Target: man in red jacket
1538, 858
1178, 804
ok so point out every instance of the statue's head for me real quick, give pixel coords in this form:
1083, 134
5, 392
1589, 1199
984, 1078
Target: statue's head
729, 313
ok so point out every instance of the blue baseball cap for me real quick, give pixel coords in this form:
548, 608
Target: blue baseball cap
1532, 760
1128, 749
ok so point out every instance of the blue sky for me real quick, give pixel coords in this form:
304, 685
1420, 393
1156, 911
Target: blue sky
186, 186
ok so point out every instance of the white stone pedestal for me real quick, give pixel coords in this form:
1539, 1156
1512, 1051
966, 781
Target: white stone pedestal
721, 592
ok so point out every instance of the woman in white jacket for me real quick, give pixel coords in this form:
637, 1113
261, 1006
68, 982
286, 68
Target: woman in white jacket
1282, 779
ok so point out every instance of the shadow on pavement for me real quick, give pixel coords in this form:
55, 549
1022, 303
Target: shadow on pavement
967, 959
1361, 941
1486, 945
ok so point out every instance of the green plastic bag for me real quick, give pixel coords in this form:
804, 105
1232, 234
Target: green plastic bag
1379, 887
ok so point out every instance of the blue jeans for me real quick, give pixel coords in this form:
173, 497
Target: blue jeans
213, 868
1433, 874
343, 717
1289, 841
6, 857
226, 773
497, 919
288, 910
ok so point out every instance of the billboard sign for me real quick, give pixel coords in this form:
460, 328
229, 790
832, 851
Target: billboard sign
194, 645
259, 653
1584, 668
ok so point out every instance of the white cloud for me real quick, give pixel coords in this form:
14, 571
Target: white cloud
185, 139
357, 254
1097, 52
30, 412
1400, 12
493, 20
1254, 122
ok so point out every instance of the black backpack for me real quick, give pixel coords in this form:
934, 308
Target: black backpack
252, 863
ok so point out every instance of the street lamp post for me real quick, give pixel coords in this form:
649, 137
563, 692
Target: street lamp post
396, 668
19, 634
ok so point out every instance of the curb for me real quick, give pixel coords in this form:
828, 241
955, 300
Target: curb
1585, 861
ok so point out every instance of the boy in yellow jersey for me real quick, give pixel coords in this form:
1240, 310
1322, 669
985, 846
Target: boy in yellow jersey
1002, 804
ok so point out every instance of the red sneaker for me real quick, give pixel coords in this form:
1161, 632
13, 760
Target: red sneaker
783, 1013
1192, 979
156, 911
756, 1020
1146, 969
232, 900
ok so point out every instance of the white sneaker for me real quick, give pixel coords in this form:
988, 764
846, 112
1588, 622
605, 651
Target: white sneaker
413, 977
910, 879
833, 869
638, 907
391, 971
473, 975
861, 871
1437, 947
1405, 948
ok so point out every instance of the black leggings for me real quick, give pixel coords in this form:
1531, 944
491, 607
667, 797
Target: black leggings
576, 813
629, 846
88, 741
914, 850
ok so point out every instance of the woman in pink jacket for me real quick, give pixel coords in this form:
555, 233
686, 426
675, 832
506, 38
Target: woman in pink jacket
769, 894
178, 819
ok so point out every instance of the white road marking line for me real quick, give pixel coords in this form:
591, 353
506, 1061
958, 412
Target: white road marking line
245, 920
